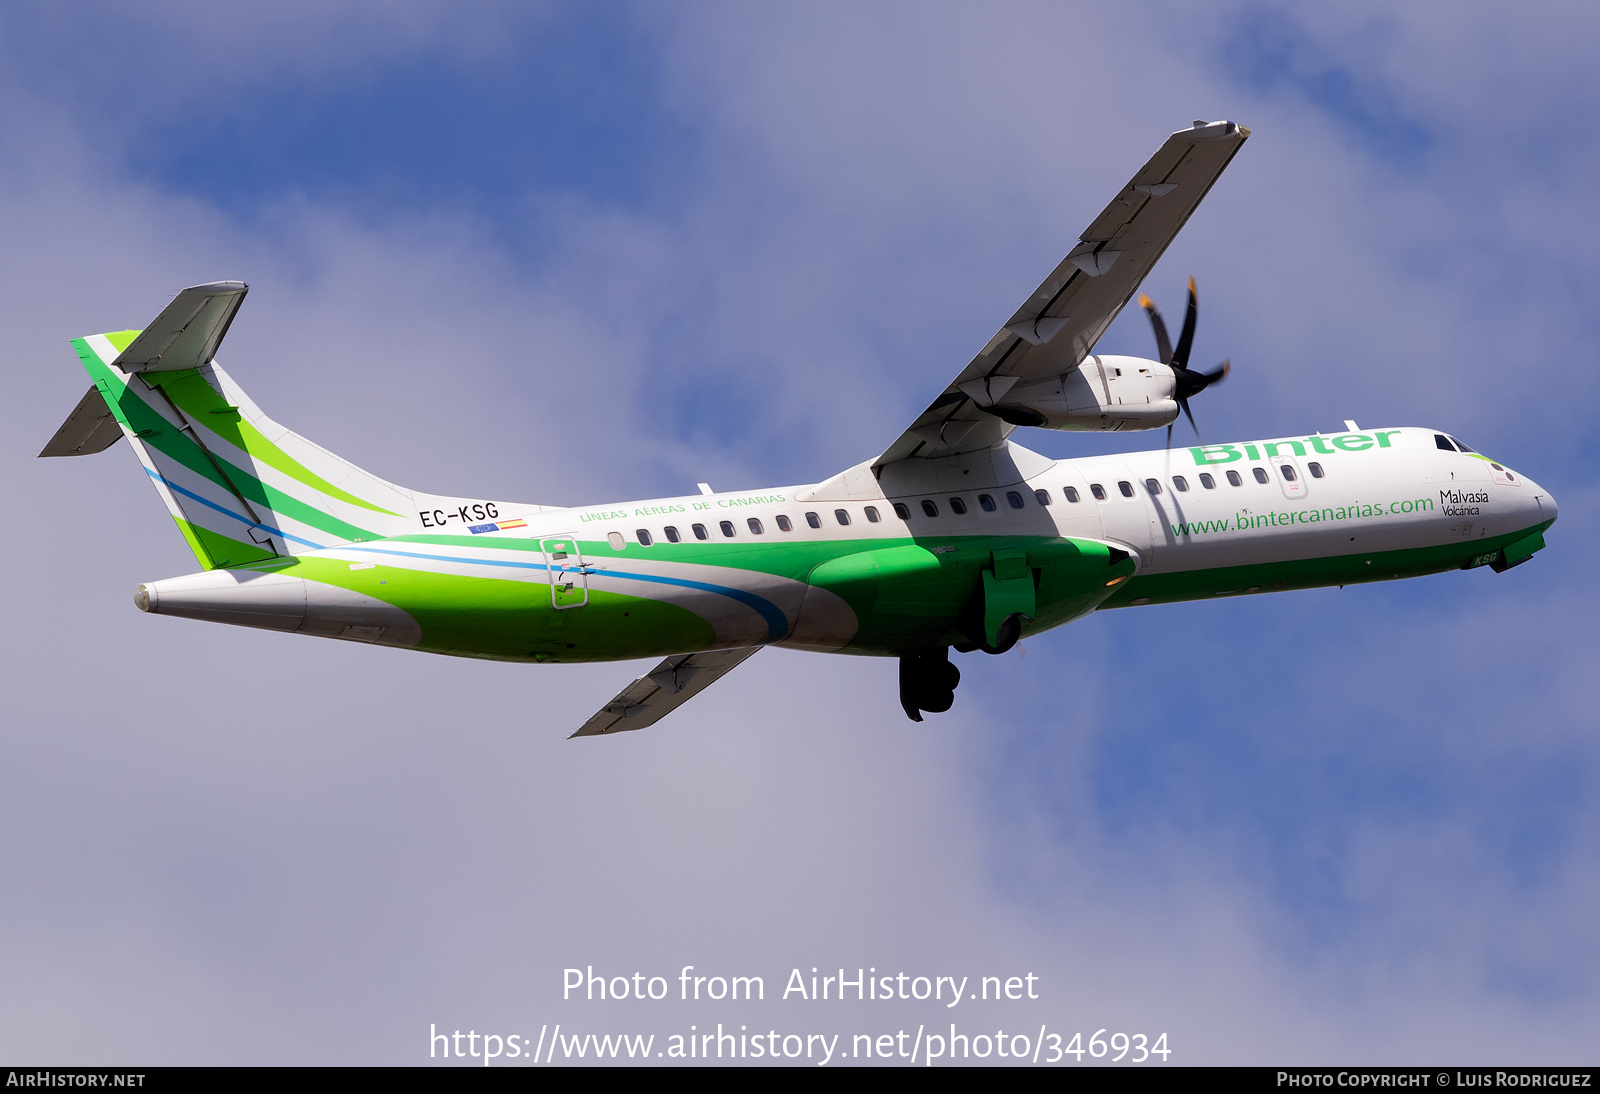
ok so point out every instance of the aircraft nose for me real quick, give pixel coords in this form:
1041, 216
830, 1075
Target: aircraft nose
1540, 503
1547, 502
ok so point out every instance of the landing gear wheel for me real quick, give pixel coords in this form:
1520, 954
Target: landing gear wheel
1007, 633
927, 683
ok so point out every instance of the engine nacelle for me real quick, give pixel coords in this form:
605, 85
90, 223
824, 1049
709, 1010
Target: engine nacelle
1104, 393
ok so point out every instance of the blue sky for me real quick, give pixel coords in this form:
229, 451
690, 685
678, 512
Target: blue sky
570, 253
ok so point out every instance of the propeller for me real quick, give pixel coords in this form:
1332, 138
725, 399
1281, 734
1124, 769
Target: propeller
1189, 382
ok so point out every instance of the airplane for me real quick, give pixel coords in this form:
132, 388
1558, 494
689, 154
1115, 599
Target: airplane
954, 538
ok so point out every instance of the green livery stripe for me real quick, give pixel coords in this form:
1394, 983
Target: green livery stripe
903, 595
191, 394
287, 505
121, 339
1310, 573
792, 559
513, 620
156, 431
217, 551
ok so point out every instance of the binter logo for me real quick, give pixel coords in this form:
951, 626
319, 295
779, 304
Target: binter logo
1262, 450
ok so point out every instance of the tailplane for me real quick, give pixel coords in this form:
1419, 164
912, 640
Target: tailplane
241, 487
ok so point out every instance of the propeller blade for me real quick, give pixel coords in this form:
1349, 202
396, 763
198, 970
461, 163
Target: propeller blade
1180, 356
1190, 415
1190, 383
1163, 343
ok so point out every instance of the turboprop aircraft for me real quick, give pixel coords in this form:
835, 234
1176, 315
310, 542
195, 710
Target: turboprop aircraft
954, 538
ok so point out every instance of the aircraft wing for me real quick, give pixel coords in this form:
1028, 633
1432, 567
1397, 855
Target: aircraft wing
663, 690
1058, 326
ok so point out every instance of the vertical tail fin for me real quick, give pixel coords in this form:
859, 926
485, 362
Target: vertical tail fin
241, 487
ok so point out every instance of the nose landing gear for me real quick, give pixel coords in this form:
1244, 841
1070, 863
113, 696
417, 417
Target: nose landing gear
927, 683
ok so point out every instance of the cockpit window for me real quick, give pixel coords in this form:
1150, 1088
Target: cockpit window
1463, 447
1440, 440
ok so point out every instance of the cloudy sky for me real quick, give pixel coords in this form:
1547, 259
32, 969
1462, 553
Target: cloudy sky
575, 253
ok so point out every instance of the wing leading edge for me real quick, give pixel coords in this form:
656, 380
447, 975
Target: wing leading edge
1058, 326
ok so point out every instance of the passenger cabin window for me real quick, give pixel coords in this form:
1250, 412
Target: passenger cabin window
1014, 499
1126, 487
1461, 446
842, 516
1098, 491
1287, 472
755, 526
1180, 484
1207, 481
1153, 485
699, 531
672, 534
727, 528
616, 540
929, 508
1260, 473
813, 520
1442, 442
1316, 469
1043, 496
986, 503
1072, 493
872, 514
901, 510
784, 525
644, 536
958, 507
1234, 479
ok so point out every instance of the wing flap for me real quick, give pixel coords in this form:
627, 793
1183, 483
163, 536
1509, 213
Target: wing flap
663, 689
1059, 324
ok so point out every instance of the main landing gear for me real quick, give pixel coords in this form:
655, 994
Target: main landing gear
928, 680
927, 683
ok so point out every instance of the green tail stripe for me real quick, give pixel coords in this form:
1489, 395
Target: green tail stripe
198, 399
216, 551
157, 432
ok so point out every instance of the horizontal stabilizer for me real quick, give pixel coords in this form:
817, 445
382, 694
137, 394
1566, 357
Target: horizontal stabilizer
187, 332
663, 689
90, 428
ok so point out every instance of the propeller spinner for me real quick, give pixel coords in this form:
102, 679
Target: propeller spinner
1189, 382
